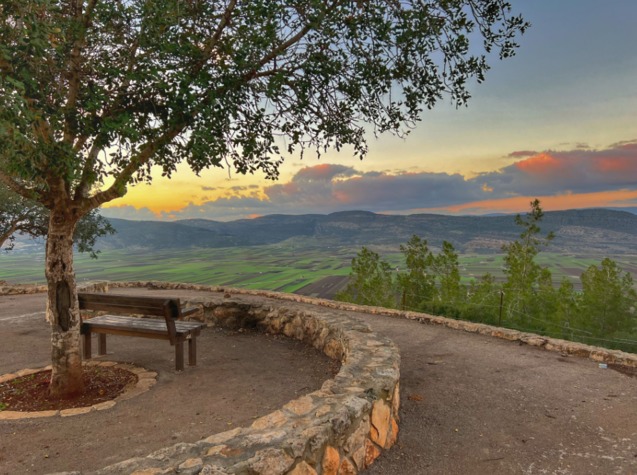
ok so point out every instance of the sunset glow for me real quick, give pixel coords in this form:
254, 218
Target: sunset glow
554, 123
604, 199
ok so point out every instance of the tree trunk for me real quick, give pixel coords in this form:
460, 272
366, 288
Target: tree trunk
66, 360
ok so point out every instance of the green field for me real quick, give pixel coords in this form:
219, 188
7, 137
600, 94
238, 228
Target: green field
264, 267
285, 267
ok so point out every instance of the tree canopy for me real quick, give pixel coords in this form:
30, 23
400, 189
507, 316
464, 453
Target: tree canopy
95, 93
93, 89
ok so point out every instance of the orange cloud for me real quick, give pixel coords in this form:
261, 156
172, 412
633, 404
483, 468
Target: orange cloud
616, 165
540, 164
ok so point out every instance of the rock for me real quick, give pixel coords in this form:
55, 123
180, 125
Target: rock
271, 461
331, 461
347, 468
302, 469
380, 422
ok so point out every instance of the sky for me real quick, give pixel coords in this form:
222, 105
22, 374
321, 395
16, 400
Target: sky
556, 122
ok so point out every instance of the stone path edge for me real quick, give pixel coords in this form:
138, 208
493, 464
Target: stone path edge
594, 353
146, 379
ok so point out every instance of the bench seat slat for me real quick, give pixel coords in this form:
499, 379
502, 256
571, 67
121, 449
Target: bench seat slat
141, 324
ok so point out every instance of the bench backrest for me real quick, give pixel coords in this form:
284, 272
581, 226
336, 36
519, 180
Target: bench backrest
169, 308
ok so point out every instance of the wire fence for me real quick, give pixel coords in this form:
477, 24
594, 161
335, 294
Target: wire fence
545, 327
555, 329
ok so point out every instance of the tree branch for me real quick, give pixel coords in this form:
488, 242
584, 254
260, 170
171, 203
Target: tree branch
15, 186
118, 188
225, 20
75, 67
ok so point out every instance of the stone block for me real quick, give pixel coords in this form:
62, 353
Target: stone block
26, 372
76, 411
380, 422
274, 419
358, 456
347, 468
333, 348
300, 406
265, 437
395, 402
103, 405
149, 471
190, 466
358, 437
270, 461
331, 461
371, 453
7, 377
38, 414
393, 433
302, 469
212, 470
222, 437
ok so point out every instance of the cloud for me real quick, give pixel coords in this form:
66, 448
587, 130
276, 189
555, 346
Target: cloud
324, 172
521, 153
566, 178
129, 212
574, 171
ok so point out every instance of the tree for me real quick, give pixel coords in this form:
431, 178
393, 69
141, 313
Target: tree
483, 300
566, 309
609, 301
95, 93
21, 216
371, 281
450, 291
417, 284
522, 272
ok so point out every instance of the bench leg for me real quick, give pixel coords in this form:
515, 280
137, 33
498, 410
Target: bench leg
101, 344
87, 346
192, 351
179, 355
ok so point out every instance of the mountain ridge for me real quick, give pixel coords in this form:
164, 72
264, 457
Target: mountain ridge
586, 231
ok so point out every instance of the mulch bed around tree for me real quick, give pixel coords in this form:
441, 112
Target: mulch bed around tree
31, 392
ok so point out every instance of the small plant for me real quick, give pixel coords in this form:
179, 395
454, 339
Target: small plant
3, 406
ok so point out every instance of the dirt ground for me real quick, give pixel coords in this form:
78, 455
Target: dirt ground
238, 377
470, 404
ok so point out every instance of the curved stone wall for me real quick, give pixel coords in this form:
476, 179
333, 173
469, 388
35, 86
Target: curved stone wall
340, 428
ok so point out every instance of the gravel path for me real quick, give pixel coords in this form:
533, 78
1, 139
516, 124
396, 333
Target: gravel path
478, 405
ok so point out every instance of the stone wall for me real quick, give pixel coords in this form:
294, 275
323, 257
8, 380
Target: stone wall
340, 429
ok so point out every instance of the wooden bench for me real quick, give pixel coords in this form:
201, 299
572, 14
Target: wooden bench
169, 328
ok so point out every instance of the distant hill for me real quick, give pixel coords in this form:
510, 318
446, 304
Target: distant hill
587, 231
584, 231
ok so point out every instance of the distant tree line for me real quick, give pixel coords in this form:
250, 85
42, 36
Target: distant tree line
603, 313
